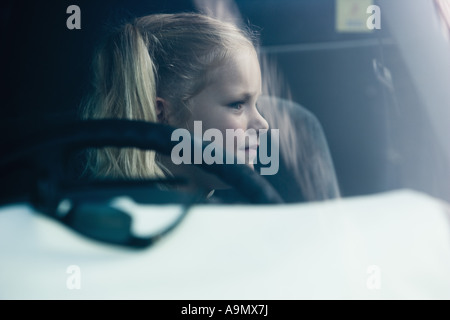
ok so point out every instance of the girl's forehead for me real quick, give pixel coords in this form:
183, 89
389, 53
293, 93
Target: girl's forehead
240, 70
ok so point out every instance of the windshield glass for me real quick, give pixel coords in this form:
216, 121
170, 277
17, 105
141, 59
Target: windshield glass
225, 149
350, 95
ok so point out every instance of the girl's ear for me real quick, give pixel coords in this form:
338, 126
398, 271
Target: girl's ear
162, 109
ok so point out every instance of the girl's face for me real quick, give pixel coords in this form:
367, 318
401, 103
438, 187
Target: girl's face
229, 102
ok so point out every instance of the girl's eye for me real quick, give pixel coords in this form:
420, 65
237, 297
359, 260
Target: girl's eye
236, 105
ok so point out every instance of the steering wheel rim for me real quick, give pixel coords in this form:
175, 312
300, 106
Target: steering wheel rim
136, 134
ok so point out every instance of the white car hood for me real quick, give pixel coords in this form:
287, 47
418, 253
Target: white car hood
329, 250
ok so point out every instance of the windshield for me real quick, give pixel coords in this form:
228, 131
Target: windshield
225, 149
356, 90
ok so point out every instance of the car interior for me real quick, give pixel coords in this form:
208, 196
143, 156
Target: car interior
375, 133
361, 113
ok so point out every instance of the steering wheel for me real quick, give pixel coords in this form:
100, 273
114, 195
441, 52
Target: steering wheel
57, 139
50, 146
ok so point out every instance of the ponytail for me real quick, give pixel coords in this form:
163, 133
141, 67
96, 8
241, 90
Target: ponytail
124, 87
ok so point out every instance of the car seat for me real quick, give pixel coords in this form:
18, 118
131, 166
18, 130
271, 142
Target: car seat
306, 171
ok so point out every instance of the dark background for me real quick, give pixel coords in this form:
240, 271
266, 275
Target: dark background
375, 145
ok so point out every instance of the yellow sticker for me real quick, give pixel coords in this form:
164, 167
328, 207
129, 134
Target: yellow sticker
351, 15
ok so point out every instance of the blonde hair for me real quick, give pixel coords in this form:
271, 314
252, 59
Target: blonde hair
163, 55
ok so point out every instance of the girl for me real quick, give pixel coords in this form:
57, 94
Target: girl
175, 69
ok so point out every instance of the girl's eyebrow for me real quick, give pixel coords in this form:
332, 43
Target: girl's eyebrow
246, 96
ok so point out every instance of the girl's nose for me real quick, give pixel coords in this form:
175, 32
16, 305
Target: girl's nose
257, 121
